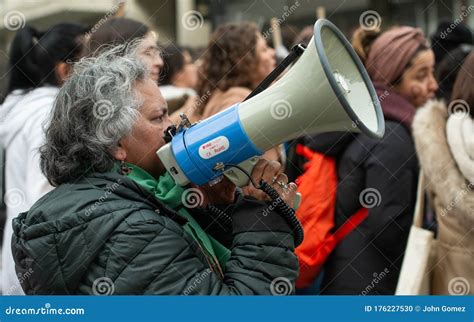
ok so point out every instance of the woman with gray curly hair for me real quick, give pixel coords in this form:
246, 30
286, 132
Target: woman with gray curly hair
116, 223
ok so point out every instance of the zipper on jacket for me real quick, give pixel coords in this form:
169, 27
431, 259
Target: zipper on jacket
212, 262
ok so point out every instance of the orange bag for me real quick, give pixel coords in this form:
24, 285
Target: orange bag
318, 185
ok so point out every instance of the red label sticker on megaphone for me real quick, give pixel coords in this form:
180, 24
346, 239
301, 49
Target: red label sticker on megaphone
214, 147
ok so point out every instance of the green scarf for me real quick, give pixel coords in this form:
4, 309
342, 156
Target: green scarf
171, 194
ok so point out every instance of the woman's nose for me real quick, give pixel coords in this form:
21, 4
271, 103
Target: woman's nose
159, 62
433, 84
167, 123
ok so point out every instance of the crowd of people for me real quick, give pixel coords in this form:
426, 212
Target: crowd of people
86, 112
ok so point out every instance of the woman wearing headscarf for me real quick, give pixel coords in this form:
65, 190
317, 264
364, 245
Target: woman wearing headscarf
444, 137
381, 174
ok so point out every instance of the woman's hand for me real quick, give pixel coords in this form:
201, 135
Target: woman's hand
271, 172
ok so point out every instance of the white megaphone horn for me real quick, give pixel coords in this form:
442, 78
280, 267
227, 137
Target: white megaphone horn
326, 90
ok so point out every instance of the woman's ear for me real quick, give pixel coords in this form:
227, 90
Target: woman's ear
119, 153
62, 71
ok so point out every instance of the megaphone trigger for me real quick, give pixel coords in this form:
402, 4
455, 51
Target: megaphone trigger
240, 174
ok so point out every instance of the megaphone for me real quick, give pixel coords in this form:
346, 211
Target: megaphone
326, 90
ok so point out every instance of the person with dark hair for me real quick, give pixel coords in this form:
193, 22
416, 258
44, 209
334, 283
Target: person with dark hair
178, 78
24, 73
117, 31
116, 215
236, 60
380, 174
179, 69
40, 62
447, 71
449, 36
31, 46
444, 137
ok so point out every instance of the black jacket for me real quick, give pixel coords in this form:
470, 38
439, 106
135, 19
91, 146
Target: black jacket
381, 174
106, 234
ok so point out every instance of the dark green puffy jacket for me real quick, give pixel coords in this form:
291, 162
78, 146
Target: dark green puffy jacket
106, 234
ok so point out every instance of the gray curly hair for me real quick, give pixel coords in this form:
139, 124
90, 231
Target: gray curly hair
95, 108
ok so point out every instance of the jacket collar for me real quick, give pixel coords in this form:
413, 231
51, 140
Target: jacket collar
142, 192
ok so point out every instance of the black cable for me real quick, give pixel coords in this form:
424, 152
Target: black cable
285, 210
220, 216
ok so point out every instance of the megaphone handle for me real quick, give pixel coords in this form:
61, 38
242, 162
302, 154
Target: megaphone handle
241, 179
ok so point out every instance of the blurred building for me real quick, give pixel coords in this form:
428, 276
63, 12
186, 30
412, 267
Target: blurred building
345, 14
